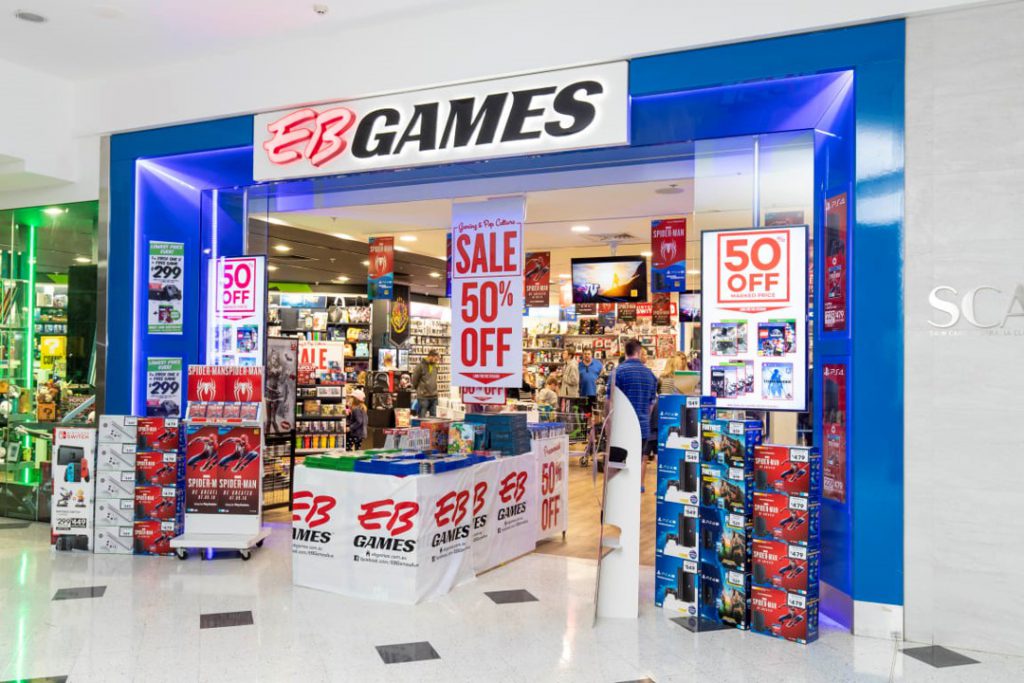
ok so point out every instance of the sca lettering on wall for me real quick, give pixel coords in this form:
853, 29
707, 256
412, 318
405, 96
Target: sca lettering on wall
984, 310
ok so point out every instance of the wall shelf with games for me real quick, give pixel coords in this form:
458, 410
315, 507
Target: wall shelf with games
432, 335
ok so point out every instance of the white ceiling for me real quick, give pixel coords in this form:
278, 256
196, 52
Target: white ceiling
91, 38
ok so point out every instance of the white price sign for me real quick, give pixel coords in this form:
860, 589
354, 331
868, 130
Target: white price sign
235, 311
487, 293
754, 331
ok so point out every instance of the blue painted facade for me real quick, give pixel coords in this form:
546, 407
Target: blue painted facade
187, 183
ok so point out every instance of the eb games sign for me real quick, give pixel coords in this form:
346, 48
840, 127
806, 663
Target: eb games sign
547, 112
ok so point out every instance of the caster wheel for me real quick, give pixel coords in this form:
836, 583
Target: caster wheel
260, 544
246, 554
182, 553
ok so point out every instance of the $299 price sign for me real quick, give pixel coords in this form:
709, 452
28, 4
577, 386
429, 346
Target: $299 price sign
487, 293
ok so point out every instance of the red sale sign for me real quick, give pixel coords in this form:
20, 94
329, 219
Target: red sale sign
237, 279
754, 270
488, 396
487, 293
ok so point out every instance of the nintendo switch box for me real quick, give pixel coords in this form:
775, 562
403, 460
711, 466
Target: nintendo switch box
154, 468
789, 567
781, 614
730, 442
679, 476
677, 527
724, 538
158, 434
787, 469
724, 595
789, 518
727, 488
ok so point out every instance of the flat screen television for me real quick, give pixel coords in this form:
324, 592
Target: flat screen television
609, 279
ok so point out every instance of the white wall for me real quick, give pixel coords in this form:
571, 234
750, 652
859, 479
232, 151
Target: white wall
964, 398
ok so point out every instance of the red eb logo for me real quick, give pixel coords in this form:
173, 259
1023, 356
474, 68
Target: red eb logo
400, 515
451, 508
306, 133
317, 509
513, 486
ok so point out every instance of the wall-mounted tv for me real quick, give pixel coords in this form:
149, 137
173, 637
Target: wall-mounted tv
609, 279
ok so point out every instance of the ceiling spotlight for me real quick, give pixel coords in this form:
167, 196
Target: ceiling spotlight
342, 278
408, 238
435, 274
54, 211
321, 9
282, 248
271, 268
30, 17
344, 236
580, 228
82, 259
647, 254
366, 263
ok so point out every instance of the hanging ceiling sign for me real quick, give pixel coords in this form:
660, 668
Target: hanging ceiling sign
553, 111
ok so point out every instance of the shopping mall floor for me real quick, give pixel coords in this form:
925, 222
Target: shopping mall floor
143, 618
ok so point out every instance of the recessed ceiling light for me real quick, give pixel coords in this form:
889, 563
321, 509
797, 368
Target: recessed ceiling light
342, 278
580, 228
648, 254
54, 211
408, 238
565, 276
366, 263
82, 259
282, 248
30, 17
398, 248
271, 268
435, 274
344, 236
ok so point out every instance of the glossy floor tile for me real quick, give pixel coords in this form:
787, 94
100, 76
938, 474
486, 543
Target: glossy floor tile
146, 626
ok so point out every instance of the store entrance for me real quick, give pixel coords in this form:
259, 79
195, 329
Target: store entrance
316, 243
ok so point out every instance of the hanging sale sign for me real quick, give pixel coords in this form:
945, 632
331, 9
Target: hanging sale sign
487, 293
836, 271
398, 316
166, 287
381, 274
754, 309
668, 260
538, 279
163, 387
321, 362
485, 396
833, 427
236, 312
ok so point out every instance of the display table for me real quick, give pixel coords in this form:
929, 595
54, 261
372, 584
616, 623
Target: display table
410, 539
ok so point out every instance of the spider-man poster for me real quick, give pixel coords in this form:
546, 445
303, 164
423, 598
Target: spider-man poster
668, 255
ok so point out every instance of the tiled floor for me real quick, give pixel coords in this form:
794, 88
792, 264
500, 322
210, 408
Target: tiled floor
146, 627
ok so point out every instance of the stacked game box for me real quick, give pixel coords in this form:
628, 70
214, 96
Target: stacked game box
115, 484
678, 497
786, 549
159, 485
726, 497
506, 432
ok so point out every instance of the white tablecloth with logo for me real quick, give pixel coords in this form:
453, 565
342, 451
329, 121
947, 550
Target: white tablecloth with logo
410, 539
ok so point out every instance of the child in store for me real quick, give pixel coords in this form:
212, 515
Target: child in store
548, 396
356, 422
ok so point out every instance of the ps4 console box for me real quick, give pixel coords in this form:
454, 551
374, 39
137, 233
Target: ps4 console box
783, 614
730, 442
789, 518
724, 595
676, 585
726, 487
725, 538
786, 566
679, 476
677, 530
788, 469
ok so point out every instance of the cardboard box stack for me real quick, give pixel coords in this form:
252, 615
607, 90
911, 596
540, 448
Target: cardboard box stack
115, 484
726, 490
159, 485
786, 552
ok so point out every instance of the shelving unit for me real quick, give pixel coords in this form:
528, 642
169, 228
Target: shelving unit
427, 335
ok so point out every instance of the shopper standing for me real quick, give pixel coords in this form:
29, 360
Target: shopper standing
640, 386
667, 381
548, 396
570, 374
355, 424
424, 383
590, 369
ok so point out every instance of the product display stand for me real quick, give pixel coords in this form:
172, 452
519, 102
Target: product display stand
618, 576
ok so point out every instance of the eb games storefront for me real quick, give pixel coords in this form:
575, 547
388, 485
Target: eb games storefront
836, 97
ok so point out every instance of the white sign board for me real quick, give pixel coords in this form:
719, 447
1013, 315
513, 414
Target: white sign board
487, 396
552, 480
487, 293
754, 331
552, 111
236, 311
166, 287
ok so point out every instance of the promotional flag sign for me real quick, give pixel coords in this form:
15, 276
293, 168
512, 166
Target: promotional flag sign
668, 260
538, 279
380, 284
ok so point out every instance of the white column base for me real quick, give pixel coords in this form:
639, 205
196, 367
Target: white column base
877, 620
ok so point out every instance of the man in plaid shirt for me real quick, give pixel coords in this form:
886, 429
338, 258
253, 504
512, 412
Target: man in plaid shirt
640, 386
